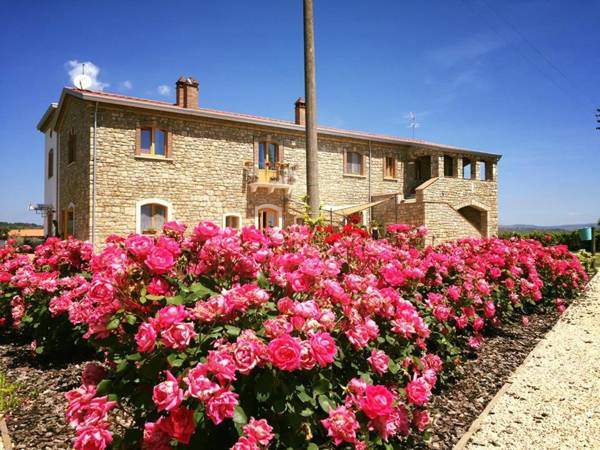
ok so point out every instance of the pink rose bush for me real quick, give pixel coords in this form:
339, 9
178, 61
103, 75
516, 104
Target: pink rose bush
317, 335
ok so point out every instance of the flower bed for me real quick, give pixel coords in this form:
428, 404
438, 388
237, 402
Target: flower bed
297, 338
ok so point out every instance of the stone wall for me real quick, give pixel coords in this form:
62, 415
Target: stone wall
75, 178
207, 172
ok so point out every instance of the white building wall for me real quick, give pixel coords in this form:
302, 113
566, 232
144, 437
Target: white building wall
50, 141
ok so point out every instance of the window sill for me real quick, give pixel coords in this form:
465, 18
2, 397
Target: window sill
390, 179
354, 175
153, 158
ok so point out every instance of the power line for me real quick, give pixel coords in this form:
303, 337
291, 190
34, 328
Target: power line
526, 57
537, 50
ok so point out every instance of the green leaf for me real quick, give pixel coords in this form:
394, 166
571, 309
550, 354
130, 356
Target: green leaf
177, 300
131, 319
304, 397
114, 323
232, 331
155, 297
239, 415
39, 350
175, 360
134, 357
103, 388
307, 412
322, 386
262, 280
202, 291
312, 446
326, 403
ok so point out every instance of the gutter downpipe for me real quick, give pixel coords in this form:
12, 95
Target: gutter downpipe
94, 178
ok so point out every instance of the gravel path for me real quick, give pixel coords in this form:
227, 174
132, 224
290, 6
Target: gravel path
553, 400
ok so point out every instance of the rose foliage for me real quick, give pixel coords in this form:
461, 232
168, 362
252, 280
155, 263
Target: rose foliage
299, 338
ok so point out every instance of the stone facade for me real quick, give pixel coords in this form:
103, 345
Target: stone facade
209, 167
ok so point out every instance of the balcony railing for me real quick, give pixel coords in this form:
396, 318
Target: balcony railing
273, 176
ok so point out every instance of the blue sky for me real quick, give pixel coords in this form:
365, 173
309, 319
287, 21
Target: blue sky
479, 73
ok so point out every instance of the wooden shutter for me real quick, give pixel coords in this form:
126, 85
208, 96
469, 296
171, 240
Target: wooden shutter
255, 154
345, 160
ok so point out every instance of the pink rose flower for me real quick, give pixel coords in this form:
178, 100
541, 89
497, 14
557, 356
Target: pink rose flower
92, 373
158, 286
221, 406
245, 443
379, 361
418, 391
167, 395
180, 424
377, 401
92, 438
178, 336
442, 312
160, 260
145, 338
199, 386
155, 438
171, 314
323, 347
259, 431
341, 425
101, 291
421, 419
284, 352
139, 245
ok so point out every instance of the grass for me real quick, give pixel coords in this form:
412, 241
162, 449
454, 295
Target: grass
8, 394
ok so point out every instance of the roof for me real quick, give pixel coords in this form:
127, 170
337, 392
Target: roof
125, 100
44, 122
26, 232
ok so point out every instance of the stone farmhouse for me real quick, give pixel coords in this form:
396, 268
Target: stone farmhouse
118, 164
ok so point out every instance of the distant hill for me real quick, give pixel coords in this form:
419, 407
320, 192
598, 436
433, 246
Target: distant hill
19, 225
524, 227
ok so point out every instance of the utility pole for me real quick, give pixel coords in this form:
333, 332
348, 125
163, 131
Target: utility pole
312, 152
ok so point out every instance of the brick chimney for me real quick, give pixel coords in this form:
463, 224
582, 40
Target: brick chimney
300, 111
186, 92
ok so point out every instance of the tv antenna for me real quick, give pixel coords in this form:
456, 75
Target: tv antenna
412, 122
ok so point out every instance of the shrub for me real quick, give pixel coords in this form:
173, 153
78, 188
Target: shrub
296, 338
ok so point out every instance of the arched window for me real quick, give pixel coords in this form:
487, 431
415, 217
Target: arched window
268, 216
151, 215
51, 163
232, 220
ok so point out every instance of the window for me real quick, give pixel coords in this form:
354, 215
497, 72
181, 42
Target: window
153, 217
68, 225
354, 163
483, 170
153, 141
389, 167
51, 163
232, 221
268, 216
448, 166
467, 168
72, 147
268, 155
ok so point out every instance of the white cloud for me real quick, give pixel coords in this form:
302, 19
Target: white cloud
126, 85
90, 69
163, 89
467, 50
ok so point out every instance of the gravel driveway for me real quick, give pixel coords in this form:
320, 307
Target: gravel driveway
553, 400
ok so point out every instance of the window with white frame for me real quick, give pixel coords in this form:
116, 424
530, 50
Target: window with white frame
232, 221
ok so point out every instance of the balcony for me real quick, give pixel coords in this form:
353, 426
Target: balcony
272, 177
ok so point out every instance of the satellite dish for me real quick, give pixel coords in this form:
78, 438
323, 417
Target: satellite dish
82, 81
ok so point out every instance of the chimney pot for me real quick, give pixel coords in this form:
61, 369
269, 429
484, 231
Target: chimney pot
186, 92
300, 110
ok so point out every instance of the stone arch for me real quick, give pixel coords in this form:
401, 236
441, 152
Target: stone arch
477, 214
